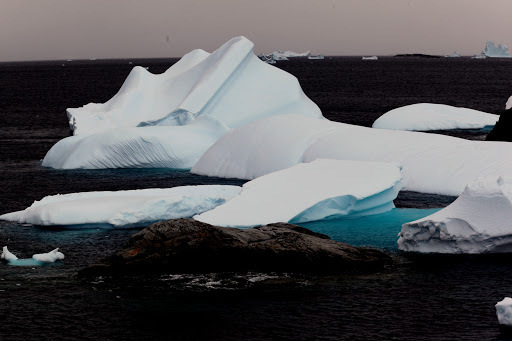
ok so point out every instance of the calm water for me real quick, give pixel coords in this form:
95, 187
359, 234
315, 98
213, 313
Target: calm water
425, 298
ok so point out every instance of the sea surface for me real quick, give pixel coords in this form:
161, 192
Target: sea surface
422, 297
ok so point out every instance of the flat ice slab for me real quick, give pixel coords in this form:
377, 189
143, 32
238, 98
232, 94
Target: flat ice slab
504, 311
135, 208
479, 221
322, 189
431, 163
429, 116
222, 90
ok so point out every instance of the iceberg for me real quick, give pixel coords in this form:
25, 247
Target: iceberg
508, 105
8, 256
500, 51
370, 58
429, 116
431, 163
49, 257
504, 312
322, 189
320, 56
289, 54
123, 209
201, 95
454, 55
477, 222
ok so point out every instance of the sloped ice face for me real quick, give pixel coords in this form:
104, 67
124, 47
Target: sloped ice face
504, 311
500, 51
123, 209
429, 116
430, 163
193, 103
477, 222
322, 189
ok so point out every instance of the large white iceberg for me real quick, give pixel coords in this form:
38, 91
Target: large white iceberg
193, 103
134, 208
322, 189
431, 163
429, 116
500, 51
504, 311
479, 221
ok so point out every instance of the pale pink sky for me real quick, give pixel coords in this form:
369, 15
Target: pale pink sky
62, 29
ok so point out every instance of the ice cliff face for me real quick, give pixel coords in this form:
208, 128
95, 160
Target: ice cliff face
169, 120
479, 221
322, 189
430, 163
428, 116
500, 51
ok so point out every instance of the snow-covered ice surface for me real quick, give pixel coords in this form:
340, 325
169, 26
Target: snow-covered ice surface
192, 104
322, 189
500, 51
49, 257
7, 255
479, 221
429, 116
134, 208
504, 311
431, 163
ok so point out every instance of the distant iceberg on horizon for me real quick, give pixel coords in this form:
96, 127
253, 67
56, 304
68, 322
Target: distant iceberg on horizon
370, 58
493, 51
454, 55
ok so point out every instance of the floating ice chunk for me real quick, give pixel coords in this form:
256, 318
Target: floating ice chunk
500, 51
280, 55
316, 57
49, 257
477, 222
429, 116
7, 255
231, 84
504, 311
431, 163
178, 147
370, 58
322, 189
508, 105
454, 55
133, 208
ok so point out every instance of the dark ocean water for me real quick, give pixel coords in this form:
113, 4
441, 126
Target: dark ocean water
426, 298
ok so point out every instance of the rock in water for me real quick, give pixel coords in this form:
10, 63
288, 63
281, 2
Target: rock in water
502, 131
187, 245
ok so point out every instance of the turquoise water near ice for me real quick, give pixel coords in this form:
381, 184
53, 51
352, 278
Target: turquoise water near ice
379, 230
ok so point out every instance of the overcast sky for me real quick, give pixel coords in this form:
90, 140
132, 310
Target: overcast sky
62, 29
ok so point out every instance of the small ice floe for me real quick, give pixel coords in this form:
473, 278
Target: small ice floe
8, 256
49, 257
504, 312
370, 58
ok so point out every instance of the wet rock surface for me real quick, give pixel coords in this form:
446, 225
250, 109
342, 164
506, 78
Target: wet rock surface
186, 245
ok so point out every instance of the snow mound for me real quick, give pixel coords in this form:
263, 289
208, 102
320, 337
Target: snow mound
504, 311
192, 104
322, 189
491, 50
431, 163
134, 208
477, 222
429, 116
7, 255
49, 257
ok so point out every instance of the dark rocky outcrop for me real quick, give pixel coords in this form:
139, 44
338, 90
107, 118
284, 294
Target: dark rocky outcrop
502, 131
186, 246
